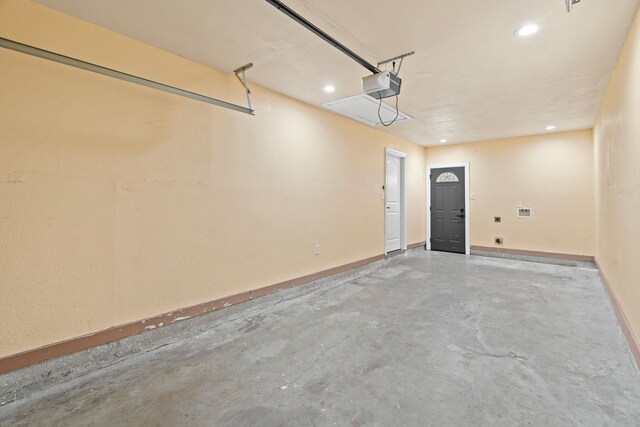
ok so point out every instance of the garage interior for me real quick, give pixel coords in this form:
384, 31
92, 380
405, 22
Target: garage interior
211, 215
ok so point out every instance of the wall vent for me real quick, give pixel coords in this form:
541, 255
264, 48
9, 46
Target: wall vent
524, 213
364, 109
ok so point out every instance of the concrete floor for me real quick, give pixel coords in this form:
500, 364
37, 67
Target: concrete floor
421, 339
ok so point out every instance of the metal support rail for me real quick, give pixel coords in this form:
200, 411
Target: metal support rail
324, 36
570, 4
83, 65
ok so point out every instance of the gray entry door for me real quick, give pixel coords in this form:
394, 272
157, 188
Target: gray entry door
448, 210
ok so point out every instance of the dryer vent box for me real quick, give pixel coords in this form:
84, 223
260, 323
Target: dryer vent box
382, 85
524, 213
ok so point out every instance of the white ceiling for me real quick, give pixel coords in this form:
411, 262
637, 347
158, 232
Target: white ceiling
471, 78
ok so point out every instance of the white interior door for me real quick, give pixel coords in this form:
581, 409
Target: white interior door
392, 208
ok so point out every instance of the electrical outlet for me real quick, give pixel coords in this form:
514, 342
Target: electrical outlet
497, 219
317, 249
499, 240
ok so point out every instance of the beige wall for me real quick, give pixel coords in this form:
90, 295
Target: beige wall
617, 183
118, 202
552, 174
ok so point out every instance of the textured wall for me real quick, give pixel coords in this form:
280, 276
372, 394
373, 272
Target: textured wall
118, 202
552, 174
617, 163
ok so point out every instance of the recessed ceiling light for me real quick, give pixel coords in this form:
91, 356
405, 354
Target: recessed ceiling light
329, 88
550, 127
443, 141
528, 30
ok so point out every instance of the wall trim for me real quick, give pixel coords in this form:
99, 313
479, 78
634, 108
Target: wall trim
632, 340
417, 245
572, 257
105, 336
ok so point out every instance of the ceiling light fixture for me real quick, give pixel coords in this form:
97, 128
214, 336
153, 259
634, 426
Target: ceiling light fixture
329, 89
443, 141
550, 127
528, 30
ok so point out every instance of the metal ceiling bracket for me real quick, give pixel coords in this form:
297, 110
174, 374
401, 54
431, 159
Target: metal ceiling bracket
570, 4
395, 58
98, 69
243, 80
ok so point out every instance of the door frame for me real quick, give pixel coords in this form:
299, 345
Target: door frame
467, 196
390, 152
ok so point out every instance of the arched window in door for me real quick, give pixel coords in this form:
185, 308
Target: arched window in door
447, 177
